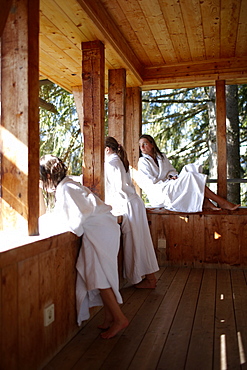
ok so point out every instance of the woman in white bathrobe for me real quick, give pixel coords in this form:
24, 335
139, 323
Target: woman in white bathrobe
164, 187
139, 256
78, 210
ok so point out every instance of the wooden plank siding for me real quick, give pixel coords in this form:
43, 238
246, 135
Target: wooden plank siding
32, 277
205, 239
194, 319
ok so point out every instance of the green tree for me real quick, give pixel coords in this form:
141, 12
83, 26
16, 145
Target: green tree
60, 132
183, 123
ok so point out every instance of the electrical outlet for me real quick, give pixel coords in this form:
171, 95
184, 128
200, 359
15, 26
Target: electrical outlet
161, 243
49, 315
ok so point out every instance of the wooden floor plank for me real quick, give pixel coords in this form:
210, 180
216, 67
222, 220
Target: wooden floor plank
94, 357
200, 354
126, 348
147, 356
71, 354
226, 354
194, 319
239, 289
175, 350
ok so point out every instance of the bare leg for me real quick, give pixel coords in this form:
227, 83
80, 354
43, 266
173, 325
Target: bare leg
108, 319
209, 205
223, 203
118, 321
148, 283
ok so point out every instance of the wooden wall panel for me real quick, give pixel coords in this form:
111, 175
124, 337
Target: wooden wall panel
48, 295
32, 277
9, 318
199, 240
29, 314
230, 253
243, 242
212, 239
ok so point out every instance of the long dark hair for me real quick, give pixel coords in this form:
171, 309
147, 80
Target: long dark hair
152, 141
52, 171
117, 148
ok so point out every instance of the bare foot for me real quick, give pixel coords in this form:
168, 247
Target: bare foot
212, 208
230, 206
108, 320
105, 325
114, 329
147, 284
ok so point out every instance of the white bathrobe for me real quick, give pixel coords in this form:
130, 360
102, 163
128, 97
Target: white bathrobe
139, 255
185, 194
81, 212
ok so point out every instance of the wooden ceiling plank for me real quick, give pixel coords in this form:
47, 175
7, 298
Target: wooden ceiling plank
173, 17
116, 12
139, 24
241, 45
62, 22
53, 33
59, 55
211, 27
229, 19
105, 24
57, 71
74, 11
192, 18
157, 25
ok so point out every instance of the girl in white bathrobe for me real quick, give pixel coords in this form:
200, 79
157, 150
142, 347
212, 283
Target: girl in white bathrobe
139, 256
78, 210
164, 187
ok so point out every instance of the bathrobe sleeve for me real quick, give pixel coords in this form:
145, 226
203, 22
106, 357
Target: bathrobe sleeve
75, 204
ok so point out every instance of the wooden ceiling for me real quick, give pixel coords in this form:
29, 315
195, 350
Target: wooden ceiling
160, 43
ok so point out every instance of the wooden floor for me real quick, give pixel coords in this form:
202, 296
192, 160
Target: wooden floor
194, 319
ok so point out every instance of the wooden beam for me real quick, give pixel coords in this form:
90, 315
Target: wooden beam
116, 104
78, 97
93, 63
112, 35
133, 129
5, 8
20, 118
203, 73
221, 138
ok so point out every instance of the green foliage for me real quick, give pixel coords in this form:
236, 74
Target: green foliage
60, 133
178, 121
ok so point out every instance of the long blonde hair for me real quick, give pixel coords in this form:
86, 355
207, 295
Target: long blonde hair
117, 148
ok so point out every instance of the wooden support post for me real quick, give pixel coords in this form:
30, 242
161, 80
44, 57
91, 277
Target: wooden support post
116, 105
5, 8
78, 97
19, 136
221, 138
133, 128
93, 68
